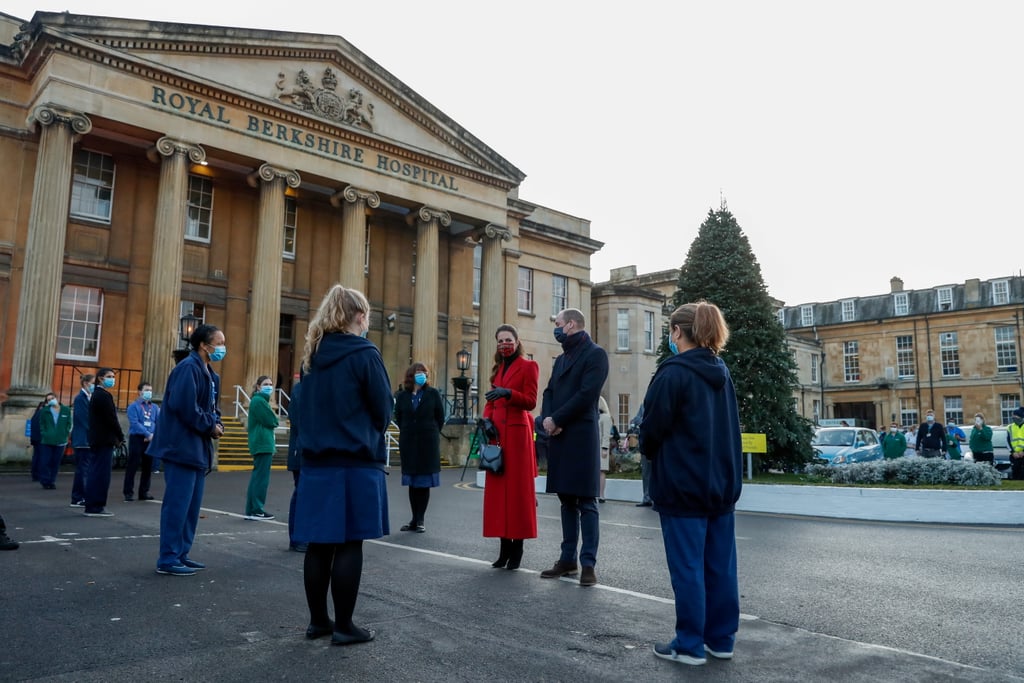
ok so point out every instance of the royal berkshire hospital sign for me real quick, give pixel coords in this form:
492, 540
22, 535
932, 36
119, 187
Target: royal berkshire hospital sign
302, 139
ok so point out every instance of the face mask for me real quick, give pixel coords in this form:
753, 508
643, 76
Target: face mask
266, 390
978, 421
218, 352
89, 388
672, 346
560, 335
893, 430
364, 333
108, 382
420, 378
930, 418
52, 402
506, 349
147, 395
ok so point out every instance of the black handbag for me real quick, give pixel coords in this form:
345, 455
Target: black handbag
491, 459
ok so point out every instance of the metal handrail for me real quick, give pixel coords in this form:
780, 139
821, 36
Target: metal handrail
390, 442
239, 406
282, 398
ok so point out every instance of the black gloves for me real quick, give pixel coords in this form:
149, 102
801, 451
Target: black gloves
497, 392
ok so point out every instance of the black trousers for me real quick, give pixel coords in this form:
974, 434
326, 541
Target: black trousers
1016, 468
136, 457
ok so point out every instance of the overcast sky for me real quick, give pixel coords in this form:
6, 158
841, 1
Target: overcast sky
852, 142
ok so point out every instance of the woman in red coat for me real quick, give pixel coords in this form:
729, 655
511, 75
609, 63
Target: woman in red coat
510, 500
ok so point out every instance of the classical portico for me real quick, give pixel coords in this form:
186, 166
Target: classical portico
214, 178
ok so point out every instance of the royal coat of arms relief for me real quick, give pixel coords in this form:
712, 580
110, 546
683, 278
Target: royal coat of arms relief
324, 101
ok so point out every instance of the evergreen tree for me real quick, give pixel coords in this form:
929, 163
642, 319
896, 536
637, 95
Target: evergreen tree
721, 268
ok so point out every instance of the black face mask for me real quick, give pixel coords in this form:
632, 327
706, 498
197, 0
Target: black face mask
560, 335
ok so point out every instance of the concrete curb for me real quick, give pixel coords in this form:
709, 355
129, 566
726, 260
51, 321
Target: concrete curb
843, 502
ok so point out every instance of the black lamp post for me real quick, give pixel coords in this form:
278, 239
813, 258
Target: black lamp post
461, 384
186, 326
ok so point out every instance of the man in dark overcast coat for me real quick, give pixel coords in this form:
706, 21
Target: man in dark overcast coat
570, 418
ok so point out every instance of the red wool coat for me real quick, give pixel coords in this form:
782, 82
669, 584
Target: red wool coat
510, 499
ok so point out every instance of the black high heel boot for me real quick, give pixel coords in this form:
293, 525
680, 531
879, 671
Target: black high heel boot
515, 555
506, 546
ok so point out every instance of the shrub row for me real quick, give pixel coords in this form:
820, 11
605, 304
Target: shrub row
910, 470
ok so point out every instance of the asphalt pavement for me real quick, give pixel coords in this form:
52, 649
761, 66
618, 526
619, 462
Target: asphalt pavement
81, 602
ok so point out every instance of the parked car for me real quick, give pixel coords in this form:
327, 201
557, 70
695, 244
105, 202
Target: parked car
845, 445
1000, 449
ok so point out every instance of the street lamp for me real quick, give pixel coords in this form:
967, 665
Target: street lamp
187, 325
461, 384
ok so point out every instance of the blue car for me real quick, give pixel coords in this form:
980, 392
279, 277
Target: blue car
845, 445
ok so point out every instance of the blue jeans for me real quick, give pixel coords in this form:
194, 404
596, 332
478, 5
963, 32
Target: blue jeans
83, 457
579, 514
179, 514
97, 478
701, 554
49, 463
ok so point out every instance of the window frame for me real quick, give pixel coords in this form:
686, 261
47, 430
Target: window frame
70, 339
848, 310
1006, 349
952, 407
478, 261
648, 331
949, 354
620, 329
201, 209
901, 303
851, 362
944, 297
905, 356
524, 292
95, 185
291, 212
806, 316
559, 302
1000, 292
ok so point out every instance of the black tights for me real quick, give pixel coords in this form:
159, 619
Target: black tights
418, 499
338, 566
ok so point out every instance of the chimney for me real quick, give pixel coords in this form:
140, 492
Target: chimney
895, 284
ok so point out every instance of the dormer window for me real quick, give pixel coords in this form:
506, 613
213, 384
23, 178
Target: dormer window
849, 311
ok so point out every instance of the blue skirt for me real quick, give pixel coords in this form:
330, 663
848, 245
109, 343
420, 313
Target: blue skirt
422, 481
339, 504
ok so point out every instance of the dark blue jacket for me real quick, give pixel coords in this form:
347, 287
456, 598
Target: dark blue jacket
189, 416
570, 399
80, 421
691, 434
346, 402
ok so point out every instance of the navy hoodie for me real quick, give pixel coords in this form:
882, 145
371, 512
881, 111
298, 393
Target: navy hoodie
346, 402
691, 434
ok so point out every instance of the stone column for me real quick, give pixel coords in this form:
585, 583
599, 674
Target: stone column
35, 340
353, 234
492, 296
261, 343
163, 308
425, 302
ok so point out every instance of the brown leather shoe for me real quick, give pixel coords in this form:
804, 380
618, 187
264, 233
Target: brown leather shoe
560, 569
588, 577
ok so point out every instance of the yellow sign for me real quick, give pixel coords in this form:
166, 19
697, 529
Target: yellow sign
755, 443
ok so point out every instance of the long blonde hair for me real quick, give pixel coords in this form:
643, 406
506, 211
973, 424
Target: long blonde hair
337, 310
702, 323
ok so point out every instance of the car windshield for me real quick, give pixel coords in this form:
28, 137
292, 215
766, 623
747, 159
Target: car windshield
833, 437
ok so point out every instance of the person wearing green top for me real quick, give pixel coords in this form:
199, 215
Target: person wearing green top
981, 440
261, 426
895, 443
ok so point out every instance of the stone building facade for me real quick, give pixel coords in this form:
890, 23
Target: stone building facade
156, 171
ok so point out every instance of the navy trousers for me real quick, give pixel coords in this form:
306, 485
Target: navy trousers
49, 463
83, 456
579, 514
179, 514
97, 478
701, 554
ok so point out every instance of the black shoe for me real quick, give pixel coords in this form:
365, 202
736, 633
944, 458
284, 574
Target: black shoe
600, 500
411, 526
298, 547
49, 487
6, 543
645, 504
129, 499
145, 496
503, 554
588, 577
358, 635
420, 529
313, 631
515, 555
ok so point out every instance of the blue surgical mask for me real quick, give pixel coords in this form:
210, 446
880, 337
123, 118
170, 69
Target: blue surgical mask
109, 382
218, 353
930, 418
560, 335
672, 346
147, 395
52, 402
266, 390
420, 378
89, 388
364, 333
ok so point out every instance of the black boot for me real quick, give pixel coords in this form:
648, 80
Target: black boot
506, 547
515, 555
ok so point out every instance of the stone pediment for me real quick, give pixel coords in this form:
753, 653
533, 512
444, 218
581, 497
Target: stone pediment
322, 76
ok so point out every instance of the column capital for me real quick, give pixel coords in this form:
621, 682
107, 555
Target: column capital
168, 147
267, 173
428, 214
499, 232
353, 194
48, 114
